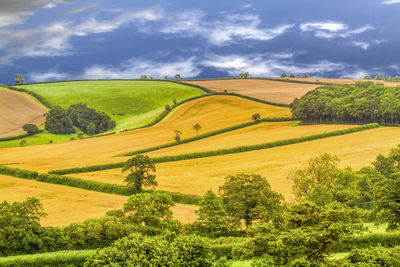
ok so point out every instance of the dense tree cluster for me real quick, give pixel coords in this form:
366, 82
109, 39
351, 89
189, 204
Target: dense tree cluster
88, 120
362, 102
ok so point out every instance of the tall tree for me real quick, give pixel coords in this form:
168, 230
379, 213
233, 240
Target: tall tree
249, 197
256, 117
283, 75
177, 77
141, 172
19, 79
197, 128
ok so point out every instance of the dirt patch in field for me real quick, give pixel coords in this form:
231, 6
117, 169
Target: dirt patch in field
274, 91
16, 110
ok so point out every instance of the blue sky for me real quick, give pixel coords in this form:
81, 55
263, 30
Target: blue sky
82, 39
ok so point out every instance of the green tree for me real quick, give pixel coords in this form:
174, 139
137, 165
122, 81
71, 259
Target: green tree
167, 107
178, 136
367, 77
197, 128
306, 75
22, 143
151, 212
177, 77
212, 217
256, 117
58, 121
387, 201
19, 79
292, 75
379, 77
283, 75
244, 75
91, 129
30, 128
165, 77
141, 172
249, 197
143, 77
388, 78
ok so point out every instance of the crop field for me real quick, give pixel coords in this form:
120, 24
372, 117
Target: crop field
16, 110
130, 103
274, 91
65, 205
196, 176
260, 133
211, 112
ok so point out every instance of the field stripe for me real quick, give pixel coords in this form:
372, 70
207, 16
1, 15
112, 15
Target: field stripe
219, 152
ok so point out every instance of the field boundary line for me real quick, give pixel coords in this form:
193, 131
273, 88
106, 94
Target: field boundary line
226, 151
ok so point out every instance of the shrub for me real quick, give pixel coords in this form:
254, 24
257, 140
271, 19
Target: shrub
30, 128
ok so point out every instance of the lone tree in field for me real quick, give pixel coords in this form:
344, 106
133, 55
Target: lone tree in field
177, 77
178, 135
143, 77
367, 77
141, 172
166, 77
256, 117
306, 75
292, 76
379, 77
284, 75
197, 127
30, 128
249, 197
244, 75
19, 79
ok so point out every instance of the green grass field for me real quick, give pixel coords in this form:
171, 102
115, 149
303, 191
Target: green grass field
130, 103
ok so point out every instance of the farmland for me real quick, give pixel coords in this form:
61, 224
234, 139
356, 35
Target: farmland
211, 112
274, 91
198, 175
17, 110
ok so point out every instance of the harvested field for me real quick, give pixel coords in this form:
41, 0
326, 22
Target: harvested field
257, 134
16, 110
65, 205
273, 91
212, 112
198, 175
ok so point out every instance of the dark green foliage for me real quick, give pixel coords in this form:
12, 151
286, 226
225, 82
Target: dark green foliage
90, 120
19, 79
256, 117
363, 102
143, 251
212, 216
31, 129
249, 197
378, 256
141, 172
58, 121
389, 239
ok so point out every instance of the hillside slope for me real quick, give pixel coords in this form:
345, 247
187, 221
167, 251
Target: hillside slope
16, 110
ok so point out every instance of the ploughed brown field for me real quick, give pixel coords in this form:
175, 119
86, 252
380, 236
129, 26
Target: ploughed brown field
273, 91
16, 110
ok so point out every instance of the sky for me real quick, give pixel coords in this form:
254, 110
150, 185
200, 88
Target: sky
123, 39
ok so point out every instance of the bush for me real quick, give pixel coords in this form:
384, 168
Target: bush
389, 239
31, 129
375, 257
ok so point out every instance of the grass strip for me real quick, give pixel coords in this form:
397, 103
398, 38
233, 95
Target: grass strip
92, 185
202, 136
234, 150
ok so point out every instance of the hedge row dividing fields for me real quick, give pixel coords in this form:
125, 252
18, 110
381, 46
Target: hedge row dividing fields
219, 152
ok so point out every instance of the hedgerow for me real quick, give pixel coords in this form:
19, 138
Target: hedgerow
202, 136
389, 239
238, 149
91, 185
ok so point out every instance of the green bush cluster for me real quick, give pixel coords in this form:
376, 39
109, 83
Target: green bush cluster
56, 259
378, 256
202, 136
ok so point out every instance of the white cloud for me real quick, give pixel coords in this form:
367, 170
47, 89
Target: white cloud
267, 65
54, 39
331, 29
362, 45
391, 2
226, 30
133, 68
47, 76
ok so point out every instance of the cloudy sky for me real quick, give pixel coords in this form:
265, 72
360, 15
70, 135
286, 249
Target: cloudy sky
94, 39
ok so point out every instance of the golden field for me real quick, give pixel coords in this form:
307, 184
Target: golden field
198, 175
274, 91
65, 205
212, 112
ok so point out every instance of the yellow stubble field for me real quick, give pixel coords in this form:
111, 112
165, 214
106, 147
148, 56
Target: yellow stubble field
211, 112
198, 175
65, 205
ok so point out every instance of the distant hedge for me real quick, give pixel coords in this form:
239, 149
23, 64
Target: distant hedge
225, 151
16, 137
202, 136
389, 239
91, 185
56, 259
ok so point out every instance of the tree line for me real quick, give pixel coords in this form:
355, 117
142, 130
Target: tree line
363, 102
